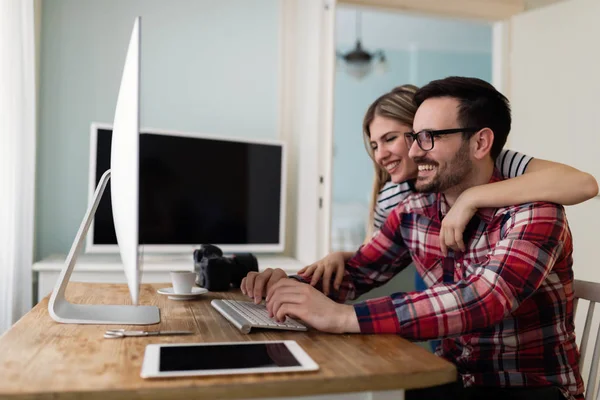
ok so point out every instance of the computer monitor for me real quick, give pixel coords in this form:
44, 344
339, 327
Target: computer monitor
124, 164
197, 188
124, 198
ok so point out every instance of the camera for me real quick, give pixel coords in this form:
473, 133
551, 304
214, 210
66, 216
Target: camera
218, 273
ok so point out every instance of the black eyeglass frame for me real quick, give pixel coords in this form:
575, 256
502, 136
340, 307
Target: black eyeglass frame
415, 136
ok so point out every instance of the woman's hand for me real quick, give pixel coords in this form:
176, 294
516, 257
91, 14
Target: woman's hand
333, 263
455, 222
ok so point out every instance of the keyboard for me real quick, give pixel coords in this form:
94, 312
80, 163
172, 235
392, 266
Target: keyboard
246, 315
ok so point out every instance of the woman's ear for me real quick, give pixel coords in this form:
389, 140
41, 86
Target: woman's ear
482, 142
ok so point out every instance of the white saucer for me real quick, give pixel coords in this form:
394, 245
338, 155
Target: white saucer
196, 291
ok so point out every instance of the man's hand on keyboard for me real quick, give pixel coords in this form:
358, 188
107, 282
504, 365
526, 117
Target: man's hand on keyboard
255, 285
291, 298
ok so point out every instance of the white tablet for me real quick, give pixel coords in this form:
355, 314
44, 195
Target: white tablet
226, 358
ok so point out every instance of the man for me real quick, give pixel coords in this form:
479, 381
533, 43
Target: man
504, 306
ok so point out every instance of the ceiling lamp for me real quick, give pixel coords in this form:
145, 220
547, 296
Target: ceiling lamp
359, 62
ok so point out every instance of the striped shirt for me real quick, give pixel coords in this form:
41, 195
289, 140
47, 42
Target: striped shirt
504, 307
510, 163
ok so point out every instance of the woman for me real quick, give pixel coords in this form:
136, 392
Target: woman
384, 125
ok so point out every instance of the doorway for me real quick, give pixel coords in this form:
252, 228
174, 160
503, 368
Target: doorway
406, 49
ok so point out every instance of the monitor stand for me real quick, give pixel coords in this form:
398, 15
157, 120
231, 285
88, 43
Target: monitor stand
68, 313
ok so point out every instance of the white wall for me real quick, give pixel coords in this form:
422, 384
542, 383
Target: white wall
555, 86
532, 4
555, 90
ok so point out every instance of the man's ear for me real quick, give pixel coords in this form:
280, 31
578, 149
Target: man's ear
481, 143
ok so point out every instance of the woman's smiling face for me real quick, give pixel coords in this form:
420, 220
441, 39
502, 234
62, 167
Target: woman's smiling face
389, 148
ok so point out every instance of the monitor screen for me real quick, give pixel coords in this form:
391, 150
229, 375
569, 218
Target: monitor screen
194, 189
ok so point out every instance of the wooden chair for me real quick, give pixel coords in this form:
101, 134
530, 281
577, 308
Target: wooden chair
589, 291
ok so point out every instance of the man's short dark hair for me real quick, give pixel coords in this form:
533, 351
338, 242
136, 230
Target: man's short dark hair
481, 106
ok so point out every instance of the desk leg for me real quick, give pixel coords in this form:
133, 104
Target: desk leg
387, 395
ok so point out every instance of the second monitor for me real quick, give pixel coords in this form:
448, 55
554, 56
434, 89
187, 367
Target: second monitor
197, 189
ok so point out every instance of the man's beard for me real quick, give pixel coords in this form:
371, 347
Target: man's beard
454, 173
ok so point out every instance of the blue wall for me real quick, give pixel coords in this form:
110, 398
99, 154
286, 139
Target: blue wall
207, 66
352, 167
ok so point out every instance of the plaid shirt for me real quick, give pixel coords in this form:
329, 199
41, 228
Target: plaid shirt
504, 307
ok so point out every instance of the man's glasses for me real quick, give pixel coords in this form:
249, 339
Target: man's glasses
425, 138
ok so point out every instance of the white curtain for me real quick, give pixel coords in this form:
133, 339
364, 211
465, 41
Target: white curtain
17, 157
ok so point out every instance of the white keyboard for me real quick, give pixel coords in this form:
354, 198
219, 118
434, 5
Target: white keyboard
246, 315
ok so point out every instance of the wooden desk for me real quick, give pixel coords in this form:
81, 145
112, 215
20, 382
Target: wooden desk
42, 359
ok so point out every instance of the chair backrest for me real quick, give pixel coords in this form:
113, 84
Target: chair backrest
589, 291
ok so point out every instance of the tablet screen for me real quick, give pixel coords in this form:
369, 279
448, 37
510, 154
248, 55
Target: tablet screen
230, 356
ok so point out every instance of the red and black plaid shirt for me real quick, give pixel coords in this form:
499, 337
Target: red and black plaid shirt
504, 307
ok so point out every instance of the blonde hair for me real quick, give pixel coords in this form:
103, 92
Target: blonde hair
398, 105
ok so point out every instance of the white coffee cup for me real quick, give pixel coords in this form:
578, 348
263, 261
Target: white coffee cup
183, 281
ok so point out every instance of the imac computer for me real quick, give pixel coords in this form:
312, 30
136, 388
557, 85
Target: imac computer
195, 189
124, 200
